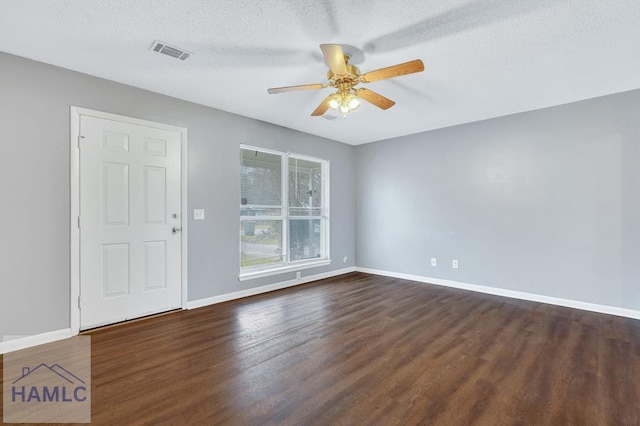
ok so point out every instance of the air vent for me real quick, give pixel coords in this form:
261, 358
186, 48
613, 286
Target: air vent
165, 49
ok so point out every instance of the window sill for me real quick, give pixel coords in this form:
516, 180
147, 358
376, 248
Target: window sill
249, 275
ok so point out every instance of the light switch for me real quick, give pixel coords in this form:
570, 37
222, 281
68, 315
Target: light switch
198, 214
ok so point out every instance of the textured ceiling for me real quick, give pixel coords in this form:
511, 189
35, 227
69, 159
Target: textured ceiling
483, 58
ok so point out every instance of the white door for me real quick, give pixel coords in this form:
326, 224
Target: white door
130, 221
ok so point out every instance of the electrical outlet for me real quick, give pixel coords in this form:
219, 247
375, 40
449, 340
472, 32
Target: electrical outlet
298, 275
434, 262
454, 264
344, 259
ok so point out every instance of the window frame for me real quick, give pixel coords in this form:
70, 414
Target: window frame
286, 264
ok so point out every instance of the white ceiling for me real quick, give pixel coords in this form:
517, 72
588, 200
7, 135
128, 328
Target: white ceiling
483, 58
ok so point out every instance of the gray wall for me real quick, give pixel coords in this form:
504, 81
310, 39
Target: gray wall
545, 202
34, 185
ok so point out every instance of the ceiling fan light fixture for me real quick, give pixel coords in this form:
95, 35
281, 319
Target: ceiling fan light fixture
334, 102
354, 103
345, 102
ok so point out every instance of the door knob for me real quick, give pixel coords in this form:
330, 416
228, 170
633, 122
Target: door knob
176, 229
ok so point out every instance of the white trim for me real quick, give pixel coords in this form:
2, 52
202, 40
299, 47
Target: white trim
35, 340
513, 294
250, 275
74, 183
286, 224
124, 119
265, 150
266, 288
184, 220
326, 203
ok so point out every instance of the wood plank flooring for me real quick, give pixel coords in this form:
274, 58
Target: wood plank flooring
361, 349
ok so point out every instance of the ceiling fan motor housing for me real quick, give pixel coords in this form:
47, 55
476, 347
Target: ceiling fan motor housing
347, 80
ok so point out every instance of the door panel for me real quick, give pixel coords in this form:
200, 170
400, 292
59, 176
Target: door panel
155, 265
115, 193
154, 195
130, 200
155, 147
115, 270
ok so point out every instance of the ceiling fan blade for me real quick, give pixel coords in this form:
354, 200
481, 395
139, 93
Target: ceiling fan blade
375, 98
393, 71
322, 108
334, 56
275, 90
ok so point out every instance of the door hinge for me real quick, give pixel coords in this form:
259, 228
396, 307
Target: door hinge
78, 222
79, 304
79, 139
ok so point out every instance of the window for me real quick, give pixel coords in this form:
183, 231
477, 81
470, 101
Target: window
284, 216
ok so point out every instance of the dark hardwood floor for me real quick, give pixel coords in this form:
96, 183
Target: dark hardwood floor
360, 349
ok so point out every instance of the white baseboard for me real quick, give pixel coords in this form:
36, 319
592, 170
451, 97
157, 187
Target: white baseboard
264, 289
585, 306
23, 342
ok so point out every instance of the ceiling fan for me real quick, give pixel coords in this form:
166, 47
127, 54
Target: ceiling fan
345, 77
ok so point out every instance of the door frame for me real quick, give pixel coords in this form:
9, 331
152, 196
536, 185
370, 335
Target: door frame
74, 181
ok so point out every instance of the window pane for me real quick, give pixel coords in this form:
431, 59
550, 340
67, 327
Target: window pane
260, 184
304, 238
260, 242
305, 188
